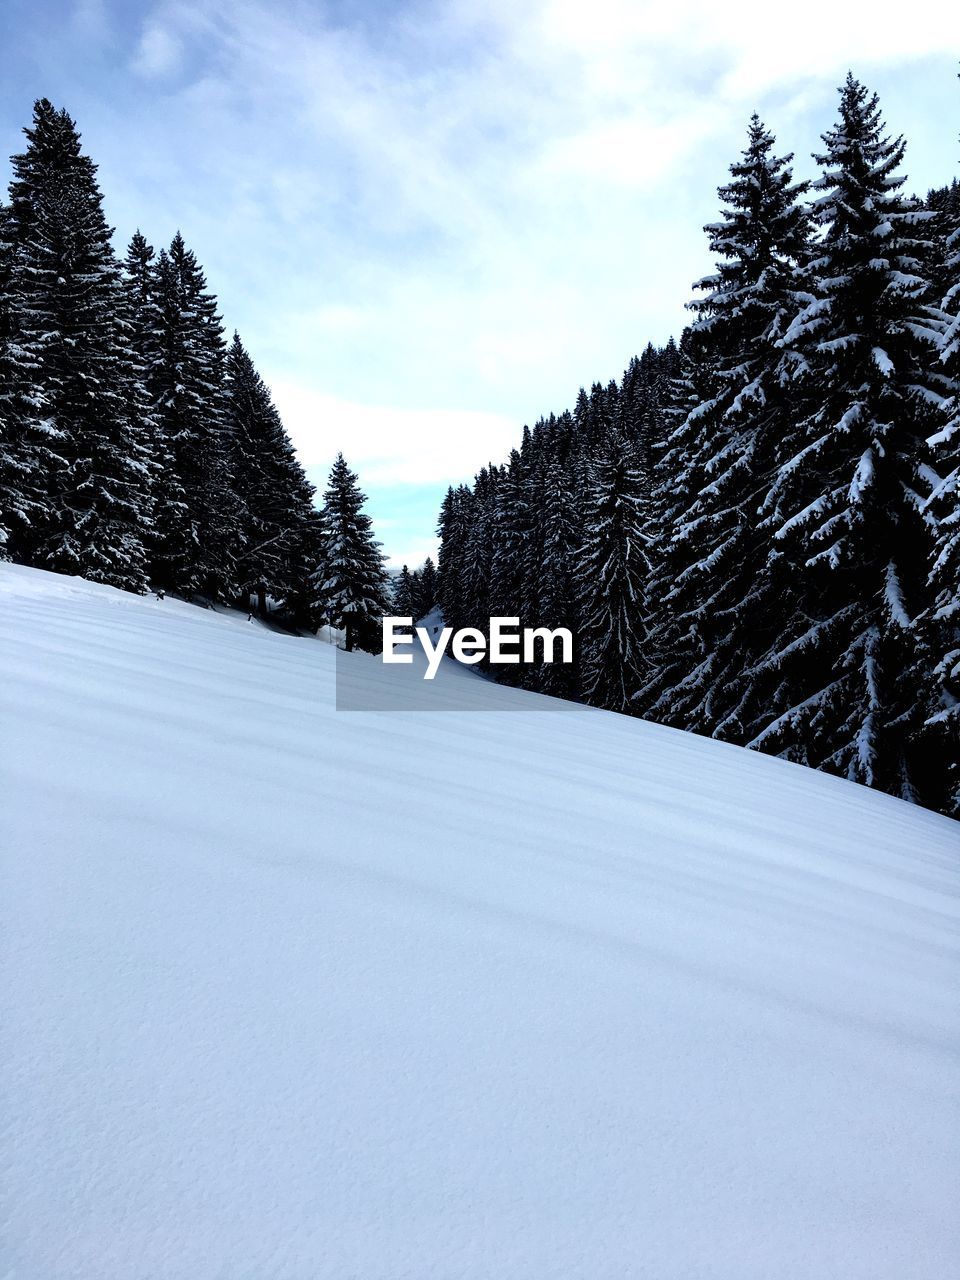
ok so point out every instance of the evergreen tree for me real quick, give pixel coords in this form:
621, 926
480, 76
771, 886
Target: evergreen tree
351, 585
512, 548
402, 599
79, 468
944, 506
307, 556
558, 590
474, 581
754, 509
845, 504
415, 594
427, 588
612, 572
27, 436
143, 278
275, 496
141, 323
676, 644
718, 604
452, 530
199, 534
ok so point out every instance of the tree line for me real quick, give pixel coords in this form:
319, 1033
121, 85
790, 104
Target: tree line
755, 533
137, 446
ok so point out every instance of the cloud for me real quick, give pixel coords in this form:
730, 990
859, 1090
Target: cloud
448, 444
461, 212
159, 52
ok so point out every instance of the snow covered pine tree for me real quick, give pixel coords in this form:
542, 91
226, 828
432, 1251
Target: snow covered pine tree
76, 462
199, 535
612, 573
944, 507
717, 602
276, 499
845, 505
350, 586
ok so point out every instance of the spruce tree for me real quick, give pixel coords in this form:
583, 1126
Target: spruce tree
944, 508
558, 589
676, 644
275, 496
511, 533
401, 600
474, 579
71, 406
612, 571
718, 605
427, 588
415, 594
27, 437
844, 506
351, 585
452, 530
199, 533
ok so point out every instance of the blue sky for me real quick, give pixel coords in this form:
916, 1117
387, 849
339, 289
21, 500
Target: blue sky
433, 222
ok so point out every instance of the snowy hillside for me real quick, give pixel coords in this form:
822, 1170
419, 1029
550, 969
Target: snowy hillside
293, 994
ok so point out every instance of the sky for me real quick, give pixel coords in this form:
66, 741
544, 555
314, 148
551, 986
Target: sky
432, 223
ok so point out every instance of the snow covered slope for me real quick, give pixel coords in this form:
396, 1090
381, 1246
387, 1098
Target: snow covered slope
292, 994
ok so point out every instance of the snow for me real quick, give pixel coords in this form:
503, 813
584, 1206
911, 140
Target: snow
517, 990
883, 362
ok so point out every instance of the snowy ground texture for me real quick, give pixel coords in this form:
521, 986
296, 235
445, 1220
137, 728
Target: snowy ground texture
297, 995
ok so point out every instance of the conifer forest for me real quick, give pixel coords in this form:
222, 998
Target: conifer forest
754, 535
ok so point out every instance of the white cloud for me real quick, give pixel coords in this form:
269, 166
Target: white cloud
391, 446
459, 211
434, 220
159, 52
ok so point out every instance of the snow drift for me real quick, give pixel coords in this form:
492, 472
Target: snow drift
291, 994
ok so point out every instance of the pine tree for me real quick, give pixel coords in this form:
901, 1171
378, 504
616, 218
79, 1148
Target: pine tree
274, 494
718, 602
199, 535
307, 552
845, 504
27, 437
402, 597
70, 403
511, 539
474, 580
558, 590
415, 594
452, 530
612, 570
676, 645
427, 588
351, 586
944, 506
